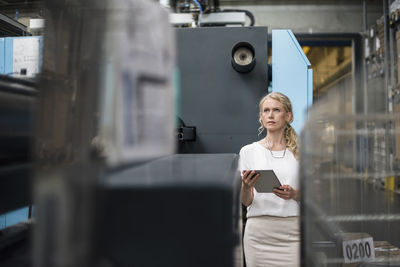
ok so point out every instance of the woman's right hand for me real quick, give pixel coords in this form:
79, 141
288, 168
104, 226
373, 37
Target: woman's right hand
249, 178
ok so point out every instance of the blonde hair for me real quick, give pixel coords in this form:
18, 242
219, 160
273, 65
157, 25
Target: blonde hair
289, 133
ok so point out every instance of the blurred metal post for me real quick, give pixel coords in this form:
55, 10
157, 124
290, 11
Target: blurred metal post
386, 51
366, 34
105, 101
67, 162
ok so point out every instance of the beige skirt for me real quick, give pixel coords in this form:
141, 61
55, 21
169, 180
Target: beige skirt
272, 241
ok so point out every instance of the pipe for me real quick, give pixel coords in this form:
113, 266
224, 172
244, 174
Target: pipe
365, 79
386, 51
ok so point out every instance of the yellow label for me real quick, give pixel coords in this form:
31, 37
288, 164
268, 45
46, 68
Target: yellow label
389, 183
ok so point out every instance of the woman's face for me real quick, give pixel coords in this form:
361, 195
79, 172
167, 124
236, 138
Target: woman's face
273, 115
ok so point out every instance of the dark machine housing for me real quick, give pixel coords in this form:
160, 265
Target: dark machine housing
183, 211
219, 96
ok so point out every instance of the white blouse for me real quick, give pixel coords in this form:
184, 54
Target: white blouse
256, 157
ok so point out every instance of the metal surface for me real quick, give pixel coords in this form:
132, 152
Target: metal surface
310, 16
17, 103
2, 55
223, 18
358, 75
172, 212
219, 101
11, 27
181, 19
17, 216
365, 30
17, 179
289, 60
386, 52
15, 246
392, 67
180, 171
365, 16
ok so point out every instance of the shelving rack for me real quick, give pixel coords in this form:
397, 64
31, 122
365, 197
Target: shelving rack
350, 161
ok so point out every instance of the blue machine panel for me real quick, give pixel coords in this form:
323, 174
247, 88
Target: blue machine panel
25, 54
14, 217
8, 56
2, 55
291, 74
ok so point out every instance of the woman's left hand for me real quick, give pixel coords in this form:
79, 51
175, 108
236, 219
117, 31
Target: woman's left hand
286, 192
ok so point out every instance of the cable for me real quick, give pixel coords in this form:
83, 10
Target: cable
201, 11
182, 123
198, 4
248, 14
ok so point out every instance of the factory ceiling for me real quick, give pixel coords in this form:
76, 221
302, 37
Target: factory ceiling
29, 6
34, 7
7, 6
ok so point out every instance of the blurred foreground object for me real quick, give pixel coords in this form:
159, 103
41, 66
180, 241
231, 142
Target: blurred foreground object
178, 211
105, 102
350, 187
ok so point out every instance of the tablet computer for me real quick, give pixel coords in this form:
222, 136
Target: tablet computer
267, 182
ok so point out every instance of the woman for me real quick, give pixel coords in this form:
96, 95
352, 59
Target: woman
272, 235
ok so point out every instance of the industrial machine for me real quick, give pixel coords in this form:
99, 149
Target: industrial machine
20, 57
205, 13
224, 73
172, 212
218, 101
20, 62
18, 99
17, 103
